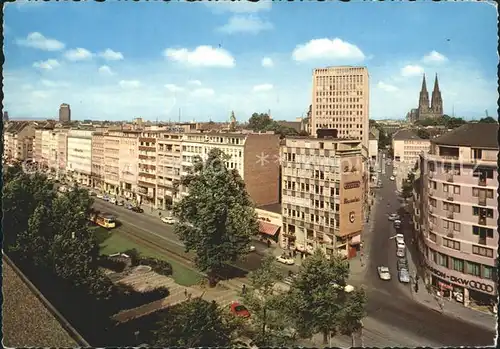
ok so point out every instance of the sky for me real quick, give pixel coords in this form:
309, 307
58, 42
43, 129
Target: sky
202, 60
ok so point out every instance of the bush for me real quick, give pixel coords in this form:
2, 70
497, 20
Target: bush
159, 266
112, 264
134, 255
126, 297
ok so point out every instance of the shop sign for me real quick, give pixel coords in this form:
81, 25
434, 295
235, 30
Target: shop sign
479, 286
353, 200
352, 185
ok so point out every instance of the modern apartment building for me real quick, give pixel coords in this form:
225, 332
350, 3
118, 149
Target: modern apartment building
128, 163
80, 156
146, 176
97, 171
18, 141
408, 146
37, 146
112, 161
322, 195
168, 148
254, 155
340, 100
458, 236
62, 149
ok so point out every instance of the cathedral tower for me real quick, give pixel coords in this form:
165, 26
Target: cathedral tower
436, 100
423, 102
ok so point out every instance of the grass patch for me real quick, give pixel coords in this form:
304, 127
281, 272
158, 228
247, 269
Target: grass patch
115, 243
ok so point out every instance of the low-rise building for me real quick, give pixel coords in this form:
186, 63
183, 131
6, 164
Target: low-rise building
408, 146
270, 222
458, 230
323, 195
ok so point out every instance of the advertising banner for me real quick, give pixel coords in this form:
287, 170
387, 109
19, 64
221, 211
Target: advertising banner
351, 196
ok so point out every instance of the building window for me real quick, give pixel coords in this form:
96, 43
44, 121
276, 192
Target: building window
473, 268
488, 272
456, 189
455, 245
432, 237
486, 212
432, 185
456, 226
445, 187
433, 255
457, 264
482, 231
446, 224
432, 202
482, 251
442, 260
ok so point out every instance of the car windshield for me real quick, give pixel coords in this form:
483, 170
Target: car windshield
384, 269
240, 308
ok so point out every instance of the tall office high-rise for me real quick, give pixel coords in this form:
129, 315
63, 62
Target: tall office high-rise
64, 113
340, 100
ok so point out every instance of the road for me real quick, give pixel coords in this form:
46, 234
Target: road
394, 319
390, 302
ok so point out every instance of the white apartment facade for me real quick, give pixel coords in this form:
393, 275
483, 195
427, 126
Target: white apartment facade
128, 163
112, 161
408, 146
79, 156
322, 195
169, 156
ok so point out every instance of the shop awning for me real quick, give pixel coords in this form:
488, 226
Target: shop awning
356, 240
268, 228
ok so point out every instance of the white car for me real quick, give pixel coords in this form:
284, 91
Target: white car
393, 216
404, 276
384, 273
400, 245
392, 178
99, 196
168, 220
252, 248
285, 260
400, 252
112, 200
400, 239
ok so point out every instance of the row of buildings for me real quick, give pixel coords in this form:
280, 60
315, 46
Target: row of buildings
455, 213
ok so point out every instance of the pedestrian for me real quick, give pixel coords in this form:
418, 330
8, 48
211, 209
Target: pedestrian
159, 214
185, 292
268, 243
243, 289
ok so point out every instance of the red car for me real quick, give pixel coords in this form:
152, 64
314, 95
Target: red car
239, 310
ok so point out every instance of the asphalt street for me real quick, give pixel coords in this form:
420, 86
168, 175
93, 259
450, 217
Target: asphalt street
390, 302
392, 313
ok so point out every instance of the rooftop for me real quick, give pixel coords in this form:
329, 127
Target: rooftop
26, 320
405, 134
479, 135
16, 126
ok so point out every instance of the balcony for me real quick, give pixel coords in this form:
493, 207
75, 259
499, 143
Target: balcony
481, 240
481, 182
449, 197
431, 174
481, 201
450, 215
450, 235
449, 177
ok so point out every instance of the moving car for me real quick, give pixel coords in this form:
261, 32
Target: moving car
168, 220
393, 216
392, 178
137, 209
397, 224
239, 310
400, 245
402, 264
285, 260
404, 276
384, 273
252, 248
400, 239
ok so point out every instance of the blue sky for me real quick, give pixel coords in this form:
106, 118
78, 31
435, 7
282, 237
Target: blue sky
120, 60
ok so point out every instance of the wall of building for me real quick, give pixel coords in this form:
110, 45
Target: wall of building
408, 151
373, 149
80, 155
351, 197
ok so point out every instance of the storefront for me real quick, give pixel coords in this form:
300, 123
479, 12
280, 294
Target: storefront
270, 223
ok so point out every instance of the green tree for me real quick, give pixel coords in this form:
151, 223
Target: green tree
217, 218
488, 120
264, 300
317, 299
194, 323
407, 191
283, 131
423, 133
259, 122
352, 314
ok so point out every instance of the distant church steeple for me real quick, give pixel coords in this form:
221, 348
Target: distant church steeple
232, 121
423, 102
436, 100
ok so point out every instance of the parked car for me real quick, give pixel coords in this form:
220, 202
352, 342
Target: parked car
112, 200
129, 206
168, 220
239, 310
394, 216
120, 203
404, 276
137, 209
99, 196
400, 239
400, 245
392, 178
105, 197
397, 224
402, 263
384, 273
401, 252
285, 260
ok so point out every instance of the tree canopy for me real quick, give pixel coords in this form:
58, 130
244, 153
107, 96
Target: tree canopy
217, 218
259, 122
194, 323
488, 120
445, 120
270, 326
423, 133
317, 300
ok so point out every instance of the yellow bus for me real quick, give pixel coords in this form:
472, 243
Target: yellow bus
105, 220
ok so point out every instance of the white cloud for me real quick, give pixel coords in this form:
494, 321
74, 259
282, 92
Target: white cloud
245, 24
174, 88
387, 87
434, 57
40, 94
194, 82
203, 92
105, 70
130, 83
78, 54
49, 64
51, 83
262, 88
412, 70
331, 49
267, 62
239, 6
38, 41
202, 56
111, 55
